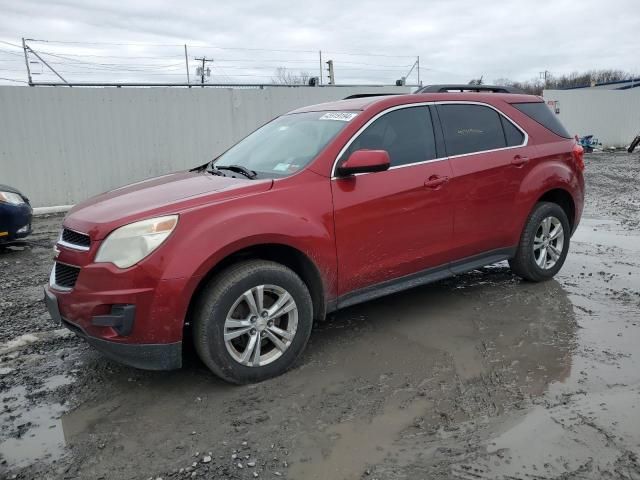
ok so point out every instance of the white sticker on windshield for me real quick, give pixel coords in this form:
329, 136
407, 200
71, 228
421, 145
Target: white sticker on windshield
281, 167
342, 116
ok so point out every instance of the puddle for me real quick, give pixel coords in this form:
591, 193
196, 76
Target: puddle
345, 449
368, 374
607, 233
36, 430
592, 434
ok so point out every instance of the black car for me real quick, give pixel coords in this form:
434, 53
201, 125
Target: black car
15, 215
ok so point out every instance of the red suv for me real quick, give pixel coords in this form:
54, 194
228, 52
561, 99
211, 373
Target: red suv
324, 207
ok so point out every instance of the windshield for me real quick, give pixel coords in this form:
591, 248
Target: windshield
286, 145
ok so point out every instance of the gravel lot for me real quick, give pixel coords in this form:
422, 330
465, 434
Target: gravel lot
480, 376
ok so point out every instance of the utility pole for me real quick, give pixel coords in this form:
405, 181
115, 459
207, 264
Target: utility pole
44, 62
186, 62
332, 78
320, 54
204, 60
545, 77
403, 80
26, 61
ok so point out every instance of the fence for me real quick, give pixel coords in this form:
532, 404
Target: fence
613, 116
62, 145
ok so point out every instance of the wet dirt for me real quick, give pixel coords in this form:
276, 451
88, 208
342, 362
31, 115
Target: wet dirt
479, 376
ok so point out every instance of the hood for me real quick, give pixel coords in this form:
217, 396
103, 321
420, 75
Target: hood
163, 195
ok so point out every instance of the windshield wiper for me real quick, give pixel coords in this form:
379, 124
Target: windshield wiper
251, 174
214, 171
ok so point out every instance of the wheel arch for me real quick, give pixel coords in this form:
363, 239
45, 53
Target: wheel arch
284, 254
564, 199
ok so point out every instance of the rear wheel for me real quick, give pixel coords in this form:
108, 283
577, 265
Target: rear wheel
544, 243
252, 321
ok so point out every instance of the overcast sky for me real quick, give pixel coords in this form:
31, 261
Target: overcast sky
456, 40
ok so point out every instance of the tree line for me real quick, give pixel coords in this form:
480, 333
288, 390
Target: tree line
284, 76
574, 79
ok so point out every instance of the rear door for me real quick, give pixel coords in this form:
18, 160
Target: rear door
489, 158
393, 223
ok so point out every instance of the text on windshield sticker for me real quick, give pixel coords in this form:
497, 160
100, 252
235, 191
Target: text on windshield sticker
342, 116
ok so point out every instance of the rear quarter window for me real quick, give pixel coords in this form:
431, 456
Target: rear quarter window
542, 114
512, 134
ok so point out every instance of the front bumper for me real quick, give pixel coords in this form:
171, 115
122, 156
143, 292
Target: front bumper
15, 222
154, 356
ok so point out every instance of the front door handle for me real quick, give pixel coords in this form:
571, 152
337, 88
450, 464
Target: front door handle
435, 181
519, 160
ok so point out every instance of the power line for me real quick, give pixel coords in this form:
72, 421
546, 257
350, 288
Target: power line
13, 80
91, 64
143, 44
12, 44
113, 56
73, 60
10, 52
248, 49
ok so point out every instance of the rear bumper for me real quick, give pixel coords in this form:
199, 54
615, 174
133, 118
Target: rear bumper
578, 203
154, 356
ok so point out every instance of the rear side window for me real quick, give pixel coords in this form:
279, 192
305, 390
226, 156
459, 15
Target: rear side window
544, 116
406, 134
471, 128
512, 134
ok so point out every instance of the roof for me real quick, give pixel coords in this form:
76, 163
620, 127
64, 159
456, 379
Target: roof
350, 104
386, 101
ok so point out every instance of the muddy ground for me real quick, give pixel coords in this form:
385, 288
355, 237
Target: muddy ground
479, 376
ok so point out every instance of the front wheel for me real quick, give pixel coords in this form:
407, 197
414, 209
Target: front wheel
252, 321
544, 243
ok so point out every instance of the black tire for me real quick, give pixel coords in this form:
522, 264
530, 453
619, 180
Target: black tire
215, 302
524, 263
634, 144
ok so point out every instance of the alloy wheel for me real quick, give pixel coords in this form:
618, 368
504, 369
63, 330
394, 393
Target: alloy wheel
261, 325
548, 243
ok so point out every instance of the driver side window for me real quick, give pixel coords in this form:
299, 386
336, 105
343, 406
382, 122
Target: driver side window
405, 134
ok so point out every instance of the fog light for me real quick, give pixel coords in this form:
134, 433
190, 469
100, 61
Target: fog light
24, 229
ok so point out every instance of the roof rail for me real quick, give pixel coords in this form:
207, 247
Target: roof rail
468, 88
365, 95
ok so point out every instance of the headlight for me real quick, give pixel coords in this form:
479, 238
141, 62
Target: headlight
11, 198
128, 245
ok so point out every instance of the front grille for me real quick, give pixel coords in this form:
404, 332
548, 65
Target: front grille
66, 275
74, 238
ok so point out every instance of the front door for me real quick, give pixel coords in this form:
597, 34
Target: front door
393, 223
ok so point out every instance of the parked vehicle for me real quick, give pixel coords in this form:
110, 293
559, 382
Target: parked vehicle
15, 215
324, 207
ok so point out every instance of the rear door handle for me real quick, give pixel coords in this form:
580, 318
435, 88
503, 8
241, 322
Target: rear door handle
435, 181
519, 160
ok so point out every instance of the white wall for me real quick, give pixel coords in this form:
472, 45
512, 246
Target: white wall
61, 145
613, 116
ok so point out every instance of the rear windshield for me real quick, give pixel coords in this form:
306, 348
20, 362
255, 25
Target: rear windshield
544, 116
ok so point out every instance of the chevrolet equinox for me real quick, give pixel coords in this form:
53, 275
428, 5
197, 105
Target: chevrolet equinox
324, 207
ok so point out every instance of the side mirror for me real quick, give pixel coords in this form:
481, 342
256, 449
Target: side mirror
365, 161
